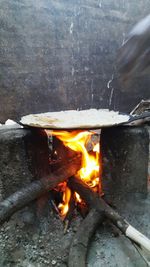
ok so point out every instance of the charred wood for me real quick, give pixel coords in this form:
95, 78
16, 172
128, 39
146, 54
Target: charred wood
83, 209
36, 189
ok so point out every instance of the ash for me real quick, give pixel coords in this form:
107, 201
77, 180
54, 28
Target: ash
25, 244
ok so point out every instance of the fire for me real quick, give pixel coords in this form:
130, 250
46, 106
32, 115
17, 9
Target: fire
64, 207
78, 198
81, 141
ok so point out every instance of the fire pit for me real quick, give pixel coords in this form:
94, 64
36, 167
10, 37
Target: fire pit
115, 175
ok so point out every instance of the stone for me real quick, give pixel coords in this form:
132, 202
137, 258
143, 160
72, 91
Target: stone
53, 262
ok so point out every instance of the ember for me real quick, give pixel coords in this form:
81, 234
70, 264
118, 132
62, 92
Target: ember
86, 143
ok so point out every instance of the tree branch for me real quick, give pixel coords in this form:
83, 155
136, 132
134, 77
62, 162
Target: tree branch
37, 188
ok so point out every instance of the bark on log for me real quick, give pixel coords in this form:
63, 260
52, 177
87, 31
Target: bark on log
94, 200
79, 247
36, 189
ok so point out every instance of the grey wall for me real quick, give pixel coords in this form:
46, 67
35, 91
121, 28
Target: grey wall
60, 54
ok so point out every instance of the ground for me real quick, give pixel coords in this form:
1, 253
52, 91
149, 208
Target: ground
27, 245
108, 250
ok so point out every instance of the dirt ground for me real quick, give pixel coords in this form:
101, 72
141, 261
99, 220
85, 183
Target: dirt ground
24, 244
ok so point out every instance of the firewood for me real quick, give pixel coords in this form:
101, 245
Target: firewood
24, 196
94, 200
80, 243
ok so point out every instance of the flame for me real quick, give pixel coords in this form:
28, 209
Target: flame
77, 197
96, 148
64, 207
89, 172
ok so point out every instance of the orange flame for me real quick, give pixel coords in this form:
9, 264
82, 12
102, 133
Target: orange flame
89, 172
64, 207
77, 197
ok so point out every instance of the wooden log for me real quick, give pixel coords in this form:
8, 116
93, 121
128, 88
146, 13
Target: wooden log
79, 246
94, 200
37, 188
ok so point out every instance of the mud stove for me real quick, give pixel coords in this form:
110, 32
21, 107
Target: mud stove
28, 155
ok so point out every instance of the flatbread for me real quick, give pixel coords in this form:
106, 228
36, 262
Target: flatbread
75, 119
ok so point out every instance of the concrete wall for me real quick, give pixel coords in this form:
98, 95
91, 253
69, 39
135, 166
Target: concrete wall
60, 54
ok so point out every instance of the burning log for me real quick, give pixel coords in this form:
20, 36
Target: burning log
94, 200
36, 189
79, 246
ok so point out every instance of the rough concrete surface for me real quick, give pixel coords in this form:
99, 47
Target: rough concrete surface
14, 169
57, 55
125, 160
